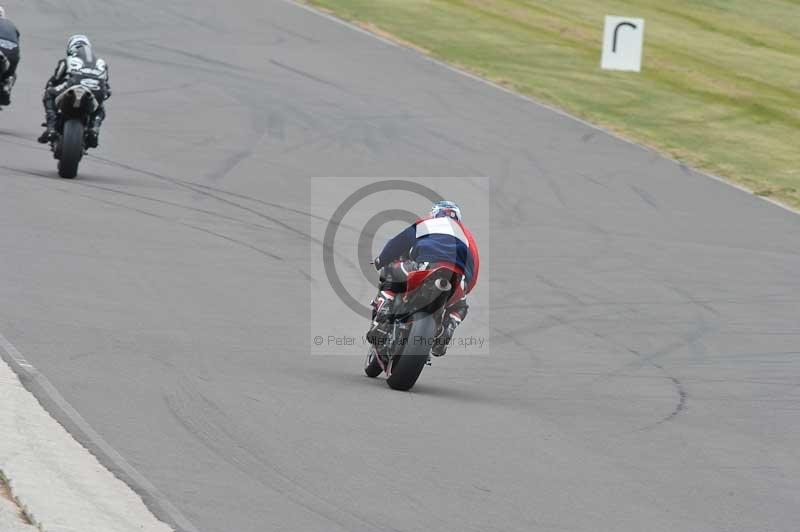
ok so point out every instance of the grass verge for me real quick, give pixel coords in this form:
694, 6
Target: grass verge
719, 87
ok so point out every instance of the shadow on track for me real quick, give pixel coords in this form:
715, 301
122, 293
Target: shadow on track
348, 374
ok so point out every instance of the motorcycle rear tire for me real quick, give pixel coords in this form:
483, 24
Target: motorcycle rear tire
71, 149
407, 366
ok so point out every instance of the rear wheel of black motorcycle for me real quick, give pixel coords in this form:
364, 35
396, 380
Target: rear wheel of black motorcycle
71, 149
371, 366
407, 366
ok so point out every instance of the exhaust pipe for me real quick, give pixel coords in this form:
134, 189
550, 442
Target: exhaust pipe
442, 284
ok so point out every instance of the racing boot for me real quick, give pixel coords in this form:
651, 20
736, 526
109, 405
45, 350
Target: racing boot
93, 134
48, 135
50, 123
92, 138
5, 90
445, 334
378, 332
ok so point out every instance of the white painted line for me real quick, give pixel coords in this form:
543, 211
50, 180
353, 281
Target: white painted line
534, 101
60, 485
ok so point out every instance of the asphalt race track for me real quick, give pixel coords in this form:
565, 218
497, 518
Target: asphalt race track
645, 368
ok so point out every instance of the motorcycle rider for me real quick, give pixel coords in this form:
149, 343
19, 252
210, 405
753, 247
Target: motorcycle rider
80, 61
9, 49
439, 237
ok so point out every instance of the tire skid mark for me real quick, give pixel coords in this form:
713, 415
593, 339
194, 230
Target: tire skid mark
143, 197
305, 274
561, 290
208, 212
26, 145
270, 204
645, 197
214, 213
302, 272
27, 172
649, 359
683, 396
237, 241
293, 33
773, 298
197, 57
705, 305
680, 390
212, 427
194, 188
306, 75
198, 190
128, 54
700, 330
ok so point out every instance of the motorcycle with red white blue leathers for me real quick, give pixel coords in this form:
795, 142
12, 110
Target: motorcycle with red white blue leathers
427, 271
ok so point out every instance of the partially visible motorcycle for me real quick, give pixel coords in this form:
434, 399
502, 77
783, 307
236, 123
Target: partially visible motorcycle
76, 105
414, 323
5, 64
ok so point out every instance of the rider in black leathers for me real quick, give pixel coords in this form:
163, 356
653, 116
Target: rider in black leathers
80, 60
9, 48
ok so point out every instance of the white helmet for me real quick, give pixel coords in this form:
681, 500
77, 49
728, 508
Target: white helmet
2, 12
77, 42
446, 208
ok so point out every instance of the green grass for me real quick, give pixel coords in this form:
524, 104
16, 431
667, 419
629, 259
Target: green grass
719, 87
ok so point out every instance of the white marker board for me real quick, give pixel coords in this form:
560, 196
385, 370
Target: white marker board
622, 43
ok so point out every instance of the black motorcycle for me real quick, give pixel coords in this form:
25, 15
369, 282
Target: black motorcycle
415, 321
76, 106
5, 64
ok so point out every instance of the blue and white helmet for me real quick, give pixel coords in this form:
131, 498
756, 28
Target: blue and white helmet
446, 208
76, 42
